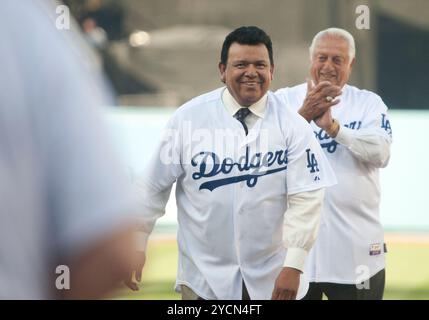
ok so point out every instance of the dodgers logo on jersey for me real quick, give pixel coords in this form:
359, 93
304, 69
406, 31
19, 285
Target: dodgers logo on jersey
209, 165
331, 146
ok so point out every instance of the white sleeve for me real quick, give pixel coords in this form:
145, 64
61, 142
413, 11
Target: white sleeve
155, 186
370, 144
308, 168
301, 225
308, 173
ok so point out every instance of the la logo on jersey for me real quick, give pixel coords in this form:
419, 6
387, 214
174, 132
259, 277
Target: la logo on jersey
312, 163
385, 124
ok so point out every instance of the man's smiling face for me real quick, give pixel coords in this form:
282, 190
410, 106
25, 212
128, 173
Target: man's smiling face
331, 61
248, 72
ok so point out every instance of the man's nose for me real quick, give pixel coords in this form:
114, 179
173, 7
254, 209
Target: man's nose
251, 70
328, 65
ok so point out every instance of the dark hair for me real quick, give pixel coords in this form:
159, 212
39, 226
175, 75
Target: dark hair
246, 35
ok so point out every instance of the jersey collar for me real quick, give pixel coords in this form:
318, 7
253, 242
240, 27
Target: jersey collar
232, 106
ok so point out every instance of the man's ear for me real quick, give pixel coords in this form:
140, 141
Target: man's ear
222, 69
272, 72
352, 63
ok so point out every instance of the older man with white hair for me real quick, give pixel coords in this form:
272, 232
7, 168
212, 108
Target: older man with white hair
352, 126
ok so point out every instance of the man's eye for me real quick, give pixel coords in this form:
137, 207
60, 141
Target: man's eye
261, 66
337, 61
240, 65
322, 59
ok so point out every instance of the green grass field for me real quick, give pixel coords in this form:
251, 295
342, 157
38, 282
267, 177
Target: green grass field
407, 273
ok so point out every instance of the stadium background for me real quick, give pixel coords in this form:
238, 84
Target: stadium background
158, 54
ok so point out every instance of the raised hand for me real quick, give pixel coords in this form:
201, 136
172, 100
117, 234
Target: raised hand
319, 99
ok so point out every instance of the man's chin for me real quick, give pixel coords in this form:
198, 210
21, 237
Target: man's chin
331, 80
246, 102
249, 97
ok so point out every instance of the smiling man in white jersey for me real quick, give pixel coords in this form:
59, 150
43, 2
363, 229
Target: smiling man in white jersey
232, 194
352, 126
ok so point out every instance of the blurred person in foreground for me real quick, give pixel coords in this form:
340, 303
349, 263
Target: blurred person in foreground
243, 163
63, 197
353, 128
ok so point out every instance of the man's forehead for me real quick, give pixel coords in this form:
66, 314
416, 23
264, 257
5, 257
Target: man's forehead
332, 46
237, 47
257, 51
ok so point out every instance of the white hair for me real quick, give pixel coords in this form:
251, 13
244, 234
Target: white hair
335, 32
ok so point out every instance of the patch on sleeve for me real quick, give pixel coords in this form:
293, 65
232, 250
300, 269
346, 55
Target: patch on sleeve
375, 249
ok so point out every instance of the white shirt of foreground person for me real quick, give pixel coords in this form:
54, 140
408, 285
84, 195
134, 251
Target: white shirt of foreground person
60, 186
351, 237
232, 194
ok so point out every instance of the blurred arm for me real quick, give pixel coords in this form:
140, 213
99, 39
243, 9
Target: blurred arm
102, 266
